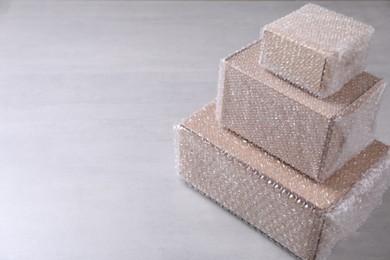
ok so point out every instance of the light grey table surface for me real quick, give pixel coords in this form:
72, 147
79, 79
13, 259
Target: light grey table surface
89, 92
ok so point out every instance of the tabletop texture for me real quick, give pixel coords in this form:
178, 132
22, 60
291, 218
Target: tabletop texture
89, 94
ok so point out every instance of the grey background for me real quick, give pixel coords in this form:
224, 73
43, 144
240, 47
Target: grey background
89, 92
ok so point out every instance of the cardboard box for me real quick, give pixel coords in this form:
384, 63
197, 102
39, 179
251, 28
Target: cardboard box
315, 136
316, 49
303, 216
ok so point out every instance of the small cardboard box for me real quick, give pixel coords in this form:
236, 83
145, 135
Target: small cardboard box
303, 216
316, 49
315, 136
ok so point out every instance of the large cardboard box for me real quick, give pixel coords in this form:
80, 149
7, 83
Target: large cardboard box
303, 216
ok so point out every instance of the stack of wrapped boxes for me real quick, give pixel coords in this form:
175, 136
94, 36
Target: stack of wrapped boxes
289, 144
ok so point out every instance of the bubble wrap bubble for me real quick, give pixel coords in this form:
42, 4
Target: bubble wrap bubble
316, 136
305, 217
316, 49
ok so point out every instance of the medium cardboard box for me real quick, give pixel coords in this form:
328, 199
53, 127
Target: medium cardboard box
303, 216
316, 49
315, 136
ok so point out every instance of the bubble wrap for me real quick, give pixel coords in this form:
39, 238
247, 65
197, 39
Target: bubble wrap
316, 49
303, 216
315, 136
